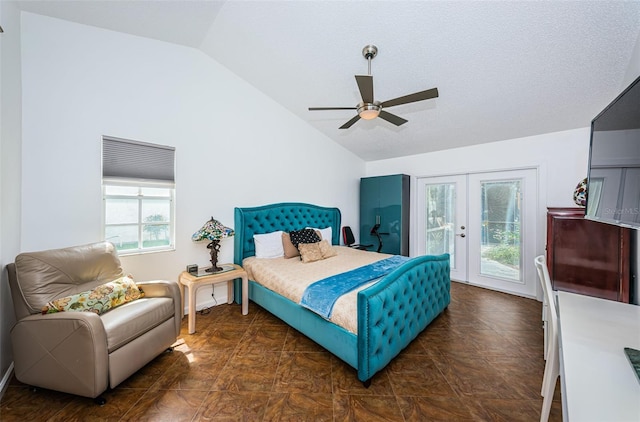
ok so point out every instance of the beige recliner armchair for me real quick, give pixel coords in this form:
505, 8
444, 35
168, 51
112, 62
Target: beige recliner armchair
85, 353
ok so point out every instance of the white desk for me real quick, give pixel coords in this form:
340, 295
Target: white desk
598, 382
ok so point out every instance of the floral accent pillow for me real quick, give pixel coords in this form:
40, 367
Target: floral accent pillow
99, 300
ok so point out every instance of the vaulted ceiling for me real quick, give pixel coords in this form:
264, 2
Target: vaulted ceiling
504, 69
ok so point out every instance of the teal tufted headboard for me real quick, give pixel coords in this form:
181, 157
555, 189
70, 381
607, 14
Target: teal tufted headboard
284, 216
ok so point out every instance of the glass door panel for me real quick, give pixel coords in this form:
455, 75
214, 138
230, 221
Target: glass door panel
502, 230
500, 219
442, 202
440, 212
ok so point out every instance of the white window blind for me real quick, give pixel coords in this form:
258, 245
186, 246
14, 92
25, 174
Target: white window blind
126, 159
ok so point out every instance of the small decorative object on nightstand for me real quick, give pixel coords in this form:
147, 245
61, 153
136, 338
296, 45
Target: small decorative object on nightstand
213, 230
195, 281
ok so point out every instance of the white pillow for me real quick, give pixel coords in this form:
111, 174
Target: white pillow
325, 234
269, 245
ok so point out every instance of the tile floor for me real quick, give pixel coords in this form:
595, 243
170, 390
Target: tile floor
479, 361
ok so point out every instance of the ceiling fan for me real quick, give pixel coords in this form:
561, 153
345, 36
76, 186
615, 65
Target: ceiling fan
368, 108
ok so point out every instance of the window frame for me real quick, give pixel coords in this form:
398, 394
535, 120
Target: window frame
140, 197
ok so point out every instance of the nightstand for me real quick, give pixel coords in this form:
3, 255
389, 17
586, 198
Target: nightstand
193, 282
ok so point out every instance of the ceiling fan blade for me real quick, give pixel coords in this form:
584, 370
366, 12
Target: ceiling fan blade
350, 122
412, 98
392, 118
331, 108
365, 84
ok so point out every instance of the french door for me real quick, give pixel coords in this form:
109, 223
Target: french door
486, 222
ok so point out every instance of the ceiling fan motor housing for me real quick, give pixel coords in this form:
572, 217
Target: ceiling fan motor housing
369, 51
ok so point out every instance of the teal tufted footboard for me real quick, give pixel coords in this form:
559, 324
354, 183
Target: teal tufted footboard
391, 313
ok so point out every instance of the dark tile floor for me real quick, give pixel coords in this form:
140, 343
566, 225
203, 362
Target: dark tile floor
479, 361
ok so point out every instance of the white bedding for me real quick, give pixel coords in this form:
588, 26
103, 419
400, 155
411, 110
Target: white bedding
290, 277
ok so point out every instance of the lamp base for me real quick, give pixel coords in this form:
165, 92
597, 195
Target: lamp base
215, 248
213, 269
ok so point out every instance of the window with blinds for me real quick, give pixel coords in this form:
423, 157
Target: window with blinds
138, 184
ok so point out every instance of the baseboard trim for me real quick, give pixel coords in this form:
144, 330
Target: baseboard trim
5, 380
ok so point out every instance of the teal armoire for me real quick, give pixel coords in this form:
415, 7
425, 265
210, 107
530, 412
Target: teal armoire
384, 200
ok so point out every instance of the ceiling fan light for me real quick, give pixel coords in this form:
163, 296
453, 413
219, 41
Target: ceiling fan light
368, 111
369, 114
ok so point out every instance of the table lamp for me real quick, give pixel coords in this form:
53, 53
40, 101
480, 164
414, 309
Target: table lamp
213, 230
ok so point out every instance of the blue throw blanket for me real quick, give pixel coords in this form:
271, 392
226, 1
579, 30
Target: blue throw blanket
323, 294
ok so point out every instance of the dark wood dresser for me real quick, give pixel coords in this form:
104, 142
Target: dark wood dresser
588, 257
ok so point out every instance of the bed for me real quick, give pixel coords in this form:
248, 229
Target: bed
390, 313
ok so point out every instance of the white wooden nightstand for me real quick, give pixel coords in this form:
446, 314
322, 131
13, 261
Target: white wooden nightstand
194, 282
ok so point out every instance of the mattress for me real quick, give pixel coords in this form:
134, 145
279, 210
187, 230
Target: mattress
290, 277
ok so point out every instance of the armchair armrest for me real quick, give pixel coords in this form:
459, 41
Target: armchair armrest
165, 288
57, 351
159, 288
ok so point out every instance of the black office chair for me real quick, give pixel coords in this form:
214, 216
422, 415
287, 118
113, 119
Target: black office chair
350, 241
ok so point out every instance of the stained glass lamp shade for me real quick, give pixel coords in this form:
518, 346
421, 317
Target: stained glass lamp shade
213, 230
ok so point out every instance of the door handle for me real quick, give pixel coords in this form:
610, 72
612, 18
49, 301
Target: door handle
462, 235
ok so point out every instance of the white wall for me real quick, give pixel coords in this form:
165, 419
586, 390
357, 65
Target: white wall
10, 162
234, 146
561, 159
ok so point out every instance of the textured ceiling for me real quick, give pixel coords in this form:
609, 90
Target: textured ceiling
504, 69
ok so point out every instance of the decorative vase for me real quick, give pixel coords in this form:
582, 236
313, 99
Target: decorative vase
580, 194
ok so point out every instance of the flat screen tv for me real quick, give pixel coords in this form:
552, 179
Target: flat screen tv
613, 186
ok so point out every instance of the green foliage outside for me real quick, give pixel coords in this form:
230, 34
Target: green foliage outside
507, 251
